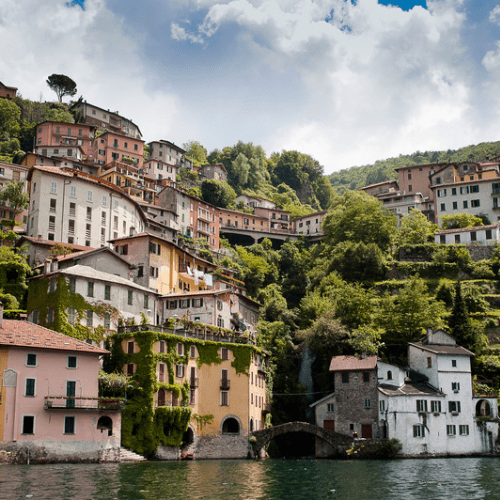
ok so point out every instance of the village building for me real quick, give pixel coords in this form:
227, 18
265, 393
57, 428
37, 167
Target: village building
7, 92
309, 225
77, 208
10, 172
49, 397
168, 152
216, 171
476, 235
161, 172
470, 187
65, 140
434, 409
112, 146
163, 266
105, 119
220, 385
104, 282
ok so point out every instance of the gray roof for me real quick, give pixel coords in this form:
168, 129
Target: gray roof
312, 405
87, 272
453, 350
410, 388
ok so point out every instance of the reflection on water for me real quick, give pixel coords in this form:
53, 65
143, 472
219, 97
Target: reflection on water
430, 479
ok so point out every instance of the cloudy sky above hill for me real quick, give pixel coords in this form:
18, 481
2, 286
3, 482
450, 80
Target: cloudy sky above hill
348, 82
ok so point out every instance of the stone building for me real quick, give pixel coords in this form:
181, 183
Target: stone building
356, 396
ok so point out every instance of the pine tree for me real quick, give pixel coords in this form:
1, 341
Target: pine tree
459, 322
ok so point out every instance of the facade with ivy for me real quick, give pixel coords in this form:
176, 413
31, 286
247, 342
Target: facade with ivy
193, 397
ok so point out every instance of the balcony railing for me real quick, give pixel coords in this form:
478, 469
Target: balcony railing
194, 383
81, 403
224, 384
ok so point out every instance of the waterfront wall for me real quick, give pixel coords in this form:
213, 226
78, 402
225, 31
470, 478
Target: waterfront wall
58, 452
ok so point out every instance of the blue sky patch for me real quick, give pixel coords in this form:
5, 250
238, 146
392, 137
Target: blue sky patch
404, 4
74, 3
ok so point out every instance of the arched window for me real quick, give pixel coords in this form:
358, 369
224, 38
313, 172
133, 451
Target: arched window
251, 425
105, 423
389, 375
231, 426
483, 408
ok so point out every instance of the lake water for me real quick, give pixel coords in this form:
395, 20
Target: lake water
426, 479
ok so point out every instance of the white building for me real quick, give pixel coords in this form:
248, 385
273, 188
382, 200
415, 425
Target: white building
309, 224
485, 235
73, 207
434, 409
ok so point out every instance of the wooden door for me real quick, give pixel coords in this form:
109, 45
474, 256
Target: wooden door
329, 424
366, 431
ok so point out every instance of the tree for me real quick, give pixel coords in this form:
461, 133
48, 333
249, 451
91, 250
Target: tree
455, 221
62, 85
415, 229
218, 193
196, 153
13, 195
357, 216
459, 320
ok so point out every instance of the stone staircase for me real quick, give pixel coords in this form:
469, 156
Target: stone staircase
130, 456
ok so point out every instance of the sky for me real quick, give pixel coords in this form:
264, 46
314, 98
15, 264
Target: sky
348, 82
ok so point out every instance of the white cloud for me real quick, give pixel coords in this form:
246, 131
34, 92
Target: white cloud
495, 15
92, 47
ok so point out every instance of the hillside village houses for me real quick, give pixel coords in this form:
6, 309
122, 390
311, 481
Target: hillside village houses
49, 399
429, 406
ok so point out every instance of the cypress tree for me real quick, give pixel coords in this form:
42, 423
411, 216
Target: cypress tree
459, 322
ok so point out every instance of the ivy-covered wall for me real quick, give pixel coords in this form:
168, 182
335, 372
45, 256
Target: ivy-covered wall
60, 300
144, 428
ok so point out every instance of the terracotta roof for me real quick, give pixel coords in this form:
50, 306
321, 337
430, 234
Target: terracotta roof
352, 363
180, 295
443, 349
466, 229
51, 243
26, 334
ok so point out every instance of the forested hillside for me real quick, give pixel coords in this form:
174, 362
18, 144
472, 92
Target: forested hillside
357, 177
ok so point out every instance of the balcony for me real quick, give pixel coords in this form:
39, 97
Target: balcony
194, 383
224, 385
75, 403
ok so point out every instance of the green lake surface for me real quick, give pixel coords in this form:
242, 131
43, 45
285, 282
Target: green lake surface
425, 479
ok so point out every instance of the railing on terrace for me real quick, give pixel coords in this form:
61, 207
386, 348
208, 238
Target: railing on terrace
194, 333
76, 403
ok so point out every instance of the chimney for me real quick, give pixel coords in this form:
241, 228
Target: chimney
1, 314
39, 237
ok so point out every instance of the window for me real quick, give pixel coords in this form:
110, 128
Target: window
464, 430
382, 406
163, 346
224, 353
130, 369
180, 349
366, 377
90, 288
107, 292
179, 371
53, 187
129, 298
443, 207
421, 405
71, 315
429, 362
473, 236
418, 430
90, 318
107, 321
72, 285
455, 205
52, 285
441, 193
474, 189
53, 204
389, 375
475, 203
345, 378
457, 238
454, 406
224, 398
161, 372
488, 234
50, 315
71, 226
436, 406
454, 363
455, 386
368, 403
192, 351
30, 387
330, 407
146, 301
453, 191
28, 424
465, 204
451, 430
153, 272
72, 192
89, 196
89, 213
130, 347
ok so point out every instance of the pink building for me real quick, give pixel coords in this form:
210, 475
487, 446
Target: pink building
117, 147
49, 400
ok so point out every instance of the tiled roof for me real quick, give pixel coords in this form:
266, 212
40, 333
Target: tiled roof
466, 229
51, 243
351, 363
26, 334
444, 349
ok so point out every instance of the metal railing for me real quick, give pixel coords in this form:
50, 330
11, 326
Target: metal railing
83, 403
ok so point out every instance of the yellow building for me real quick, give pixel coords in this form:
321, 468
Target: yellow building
218, 387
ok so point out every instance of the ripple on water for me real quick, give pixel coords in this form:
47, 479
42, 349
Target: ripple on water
430, 479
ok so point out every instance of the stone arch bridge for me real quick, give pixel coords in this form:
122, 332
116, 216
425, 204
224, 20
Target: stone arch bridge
328, 443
